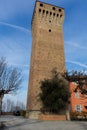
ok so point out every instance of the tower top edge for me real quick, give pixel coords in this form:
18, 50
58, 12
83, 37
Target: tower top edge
47, 6
38, 1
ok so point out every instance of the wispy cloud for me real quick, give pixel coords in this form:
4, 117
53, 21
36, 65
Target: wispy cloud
16, 97
20, 65
77, 63
15, 26
74, 44
16, 55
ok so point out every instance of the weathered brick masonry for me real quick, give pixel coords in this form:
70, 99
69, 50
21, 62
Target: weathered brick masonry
47, 50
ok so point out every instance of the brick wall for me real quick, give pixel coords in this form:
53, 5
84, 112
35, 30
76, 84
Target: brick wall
53, 117
77, 99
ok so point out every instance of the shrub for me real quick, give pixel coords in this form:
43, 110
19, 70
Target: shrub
23, 113
54, 94
78, 115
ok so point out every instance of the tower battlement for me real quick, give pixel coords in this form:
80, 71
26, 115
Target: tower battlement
48, 14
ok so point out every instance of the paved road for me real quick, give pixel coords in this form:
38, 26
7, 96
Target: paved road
19, 123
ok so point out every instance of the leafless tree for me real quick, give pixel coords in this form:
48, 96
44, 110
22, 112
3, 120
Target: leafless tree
10, 79
20, 105
11, 106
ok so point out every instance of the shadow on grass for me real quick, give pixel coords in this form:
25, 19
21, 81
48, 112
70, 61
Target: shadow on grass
2, 125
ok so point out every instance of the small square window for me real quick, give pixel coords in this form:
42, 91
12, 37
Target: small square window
39, 10
50, 13
43, 11
57, 15
60, 10
78, 108
49, 30
41, 4
60, 15
85, 107
54, 14
53, 8
46, 12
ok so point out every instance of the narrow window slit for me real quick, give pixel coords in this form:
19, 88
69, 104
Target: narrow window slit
39, 10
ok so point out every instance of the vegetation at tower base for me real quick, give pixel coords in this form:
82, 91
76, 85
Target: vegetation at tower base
54, 93
10, 79
79, 116
80, 78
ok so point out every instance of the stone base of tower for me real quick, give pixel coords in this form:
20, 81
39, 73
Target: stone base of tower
36, 114
33, 114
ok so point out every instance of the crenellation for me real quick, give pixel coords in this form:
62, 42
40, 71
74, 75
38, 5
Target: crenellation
49, 14
50, 17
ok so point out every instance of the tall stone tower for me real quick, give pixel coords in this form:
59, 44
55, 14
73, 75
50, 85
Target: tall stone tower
47, 50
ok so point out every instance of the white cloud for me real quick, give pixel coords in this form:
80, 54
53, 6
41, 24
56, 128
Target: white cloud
15, 26
74, 44
16, 48
20, 96
75, 51
20, 65
77, 63
15, 55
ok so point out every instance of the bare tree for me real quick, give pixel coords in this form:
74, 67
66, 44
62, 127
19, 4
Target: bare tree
21, 105
10, 106
10, 79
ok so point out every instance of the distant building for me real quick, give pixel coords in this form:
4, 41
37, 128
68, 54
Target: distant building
47, 51
78, 102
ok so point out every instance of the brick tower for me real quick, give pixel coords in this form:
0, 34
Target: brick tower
47, 50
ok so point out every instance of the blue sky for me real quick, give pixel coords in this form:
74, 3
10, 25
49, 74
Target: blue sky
16, 39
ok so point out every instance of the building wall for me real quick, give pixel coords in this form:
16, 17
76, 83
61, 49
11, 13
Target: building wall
77, 99
47, 49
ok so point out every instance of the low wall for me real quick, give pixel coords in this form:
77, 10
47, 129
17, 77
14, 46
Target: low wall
53, 117
7, 113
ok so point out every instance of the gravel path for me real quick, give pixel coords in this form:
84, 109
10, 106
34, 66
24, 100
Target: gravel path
19, 123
